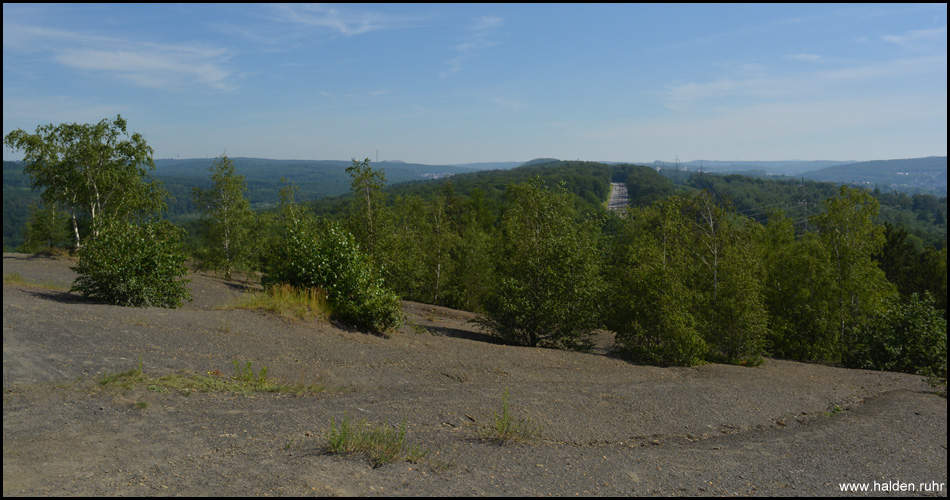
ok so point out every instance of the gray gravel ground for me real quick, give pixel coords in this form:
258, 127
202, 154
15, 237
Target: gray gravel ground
609, 427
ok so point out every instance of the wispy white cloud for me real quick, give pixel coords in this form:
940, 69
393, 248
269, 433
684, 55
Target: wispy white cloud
484, 24
22, 37
348, 21
777, 130
685, 95
163, 66
920, 40
898, 68
326, 17
799, 85
480, 36
507, 103
804, 57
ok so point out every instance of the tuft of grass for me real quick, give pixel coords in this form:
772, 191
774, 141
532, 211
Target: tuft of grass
504, 428
383, 444
136, 321
244, 381
289, 302
833, 411
226, 326
419, 329
13, 279
246, 376
127, 379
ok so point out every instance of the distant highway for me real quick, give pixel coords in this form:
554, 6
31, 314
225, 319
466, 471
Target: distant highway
618, 197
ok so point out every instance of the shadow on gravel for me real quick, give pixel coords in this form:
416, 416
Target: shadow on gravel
35, 256
352, 329
240, 287
62, 297
441, 331
236, 283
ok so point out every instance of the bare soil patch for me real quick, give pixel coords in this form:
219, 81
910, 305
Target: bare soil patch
609, 427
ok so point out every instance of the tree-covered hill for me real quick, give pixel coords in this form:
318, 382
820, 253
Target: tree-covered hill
788, 167
924, 216
914, 175
315, 178
588, 181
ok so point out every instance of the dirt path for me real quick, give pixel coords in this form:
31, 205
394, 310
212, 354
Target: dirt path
609, 427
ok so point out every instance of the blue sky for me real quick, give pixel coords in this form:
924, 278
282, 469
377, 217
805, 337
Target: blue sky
464, 83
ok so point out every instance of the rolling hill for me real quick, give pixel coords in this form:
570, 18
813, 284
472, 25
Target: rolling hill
912, 176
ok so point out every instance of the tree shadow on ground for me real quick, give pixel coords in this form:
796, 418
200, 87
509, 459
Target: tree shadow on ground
36, 256
61, 297
442, 331
240, 286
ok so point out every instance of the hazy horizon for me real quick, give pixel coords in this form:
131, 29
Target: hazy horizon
444, 84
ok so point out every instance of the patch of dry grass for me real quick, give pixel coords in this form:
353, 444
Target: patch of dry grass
244, 381
288, 302
17, 279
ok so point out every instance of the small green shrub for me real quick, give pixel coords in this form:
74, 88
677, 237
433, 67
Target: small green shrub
245, 374
131, 264
833, 411
910, 337
312, 254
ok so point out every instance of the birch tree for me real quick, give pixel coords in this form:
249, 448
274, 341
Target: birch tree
848, 231
226, 217
94, 172
367, 183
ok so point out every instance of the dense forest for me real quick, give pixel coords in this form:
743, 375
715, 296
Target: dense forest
325, 185
699, 268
